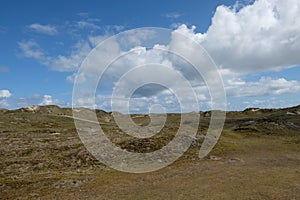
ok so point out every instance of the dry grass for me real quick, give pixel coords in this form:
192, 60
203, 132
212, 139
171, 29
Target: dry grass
42, 157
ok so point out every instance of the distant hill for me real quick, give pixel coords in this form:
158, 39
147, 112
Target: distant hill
58, 110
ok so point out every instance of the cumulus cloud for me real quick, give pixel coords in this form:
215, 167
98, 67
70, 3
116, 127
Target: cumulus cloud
4, 95
44, 29
264, 87
47, 100
137, 104
234, 84
263, 36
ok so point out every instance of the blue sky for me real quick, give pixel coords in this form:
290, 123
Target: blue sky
255, 43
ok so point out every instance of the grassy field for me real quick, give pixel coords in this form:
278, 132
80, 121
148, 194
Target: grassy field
257, 157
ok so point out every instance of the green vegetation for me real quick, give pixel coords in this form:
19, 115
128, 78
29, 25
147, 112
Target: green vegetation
257, 157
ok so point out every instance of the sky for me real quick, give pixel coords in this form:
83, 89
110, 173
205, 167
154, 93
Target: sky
255, 45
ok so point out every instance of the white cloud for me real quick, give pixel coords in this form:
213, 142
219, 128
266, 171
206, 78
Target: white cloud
5, 94
36, 99
28, 101
110, 30
83, 14
261, 102
85, 102
173, 15
93, 19
263, 36
30, 49
139, 55
71, 62
47, 100
95, 40
80, 78
44, 29
82, 27
87, 25
264, 87
4, 103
